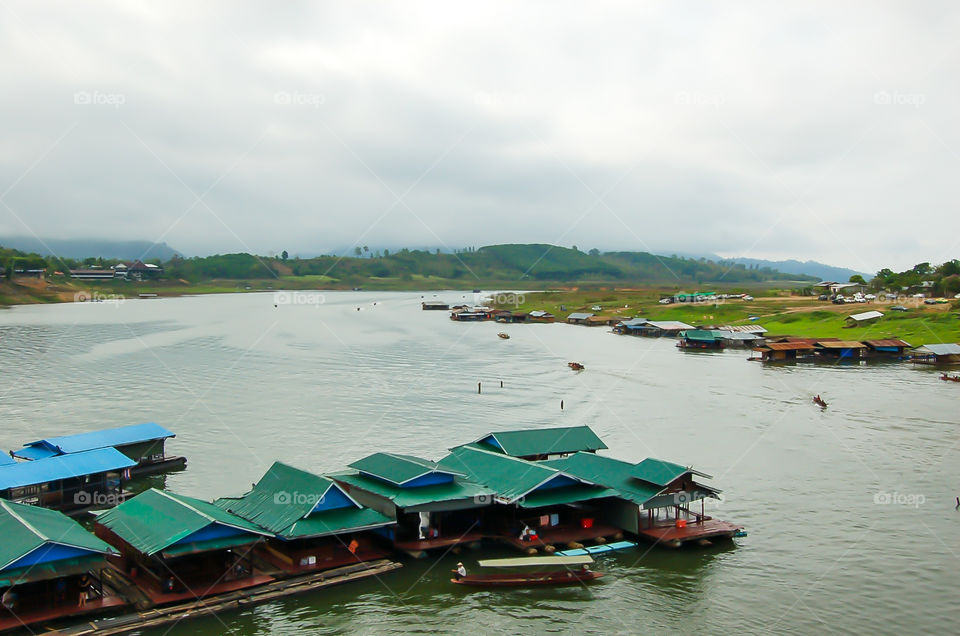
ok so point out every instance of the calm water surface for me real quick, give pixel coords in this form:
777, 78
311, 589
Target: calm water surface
319, 384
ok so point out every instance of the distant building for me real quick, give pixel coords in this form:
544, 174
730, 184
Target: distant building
578, 318
863, 318
946, 353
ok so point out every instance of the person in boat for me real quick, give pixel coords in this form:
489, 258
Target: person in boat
460, 572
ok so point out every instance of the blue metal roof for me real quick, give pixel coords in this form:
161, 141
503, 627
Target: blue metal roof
42, 471
35, 452
113, 437
6, 460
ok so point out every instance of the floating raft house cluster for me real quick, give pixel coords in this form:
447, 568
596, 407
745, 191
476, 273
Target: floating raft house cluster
539, 491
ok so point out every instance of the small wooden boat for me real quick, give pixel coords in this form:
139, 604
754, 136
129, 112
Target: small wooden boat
576, 366
568, 570
952, 378
505, 336
819, 402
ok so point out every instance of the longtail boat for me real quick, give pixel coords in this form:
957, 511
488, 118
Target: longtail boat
576, 366
550, 570
505, 336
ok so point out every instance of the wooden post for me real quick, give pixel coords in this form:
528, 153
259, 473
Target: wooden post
478, 388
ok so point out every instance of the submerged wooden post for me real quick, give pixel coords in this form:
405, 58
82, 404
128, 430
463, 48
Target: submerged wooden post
478, 388
561, 405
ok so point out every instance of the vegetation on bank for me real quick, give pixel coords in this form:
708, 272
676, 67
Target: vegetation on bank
782, 313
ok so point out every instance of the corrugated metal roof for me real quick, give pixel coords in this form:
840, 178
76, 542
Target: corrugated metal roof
154, 520
510, 477
947, 349
28, 528
744, 328
867, 315
283, 502
539, 313
704, 335
669, 325
660, 472
787, 346
634, 322
42, 471
890, 342
565, 495
545, 441
6, 460
578, 316
121, 436
841, 344
459, 490
739, 336
283, 495
609, 472
395, 468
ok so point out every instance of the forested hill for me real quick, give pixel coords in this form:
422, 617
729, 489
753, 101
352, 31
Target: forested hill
520, 263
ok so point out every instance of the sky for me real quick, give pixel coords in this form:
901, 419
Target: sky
818, 130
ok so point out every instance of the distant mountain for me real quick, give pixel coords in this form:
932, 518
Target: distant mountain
809, 268
85, 248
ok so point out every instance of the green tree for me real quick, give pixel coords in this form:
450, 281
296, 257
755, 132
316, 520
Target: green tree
857, 278
284, 255
357, 251
594, 252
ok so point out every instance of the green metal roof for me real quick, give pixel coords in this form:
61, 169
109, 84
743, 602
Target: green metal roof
283, 502
565, 495
334, 521
395, 468
612, 473
282, 496
660, 472
27, 528
154, 520
49, 570
510, 477
223, 543
704, 335
458, 490
544, 441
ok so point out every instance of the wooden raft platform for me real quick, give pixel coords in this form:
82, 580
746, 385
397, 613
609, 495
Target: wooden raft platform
230, 601
24, 619
418, 547
561, 536
672, 536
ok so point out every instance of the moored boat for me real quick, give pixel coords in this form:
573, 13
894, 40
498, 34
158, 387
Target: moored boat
550, 570
505, 336
576, 366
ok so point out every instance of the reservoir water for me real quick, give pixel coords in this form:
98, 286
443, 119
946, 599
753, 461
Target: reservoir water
850, 510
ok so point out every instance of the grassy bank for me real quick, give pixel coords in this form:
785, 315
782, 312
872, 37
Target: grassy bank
779, 313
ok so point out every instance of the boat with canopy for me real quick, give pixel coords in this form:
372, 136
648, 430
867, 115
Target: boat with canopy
546, 570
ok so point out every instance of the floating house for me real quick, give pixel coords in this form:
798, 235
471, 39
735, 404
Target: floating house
701, 339
315, 524
434, 507
177, 548
864, 318
509, 316
887, 348
632, 327
948, 353
143, 443
578, 318
783, 351
540, 316
542, 443
841, 349
68, 482
50, 568
741, 339
537, 506
434, 305
472, 314
651, 499
660, 328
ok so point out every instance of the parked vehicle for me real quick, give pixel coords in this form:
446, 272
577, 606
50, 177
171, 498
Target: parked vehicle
898, 308
823, 297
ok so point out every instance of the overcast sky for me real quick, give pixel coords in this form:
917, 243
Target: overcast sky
814, 131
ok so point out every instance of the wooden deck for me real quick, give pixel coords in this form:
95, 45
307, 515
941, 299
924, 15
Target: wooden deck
174, 614
418, 547
46, 615
670, 535
561, 535
198, 591
283, 565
